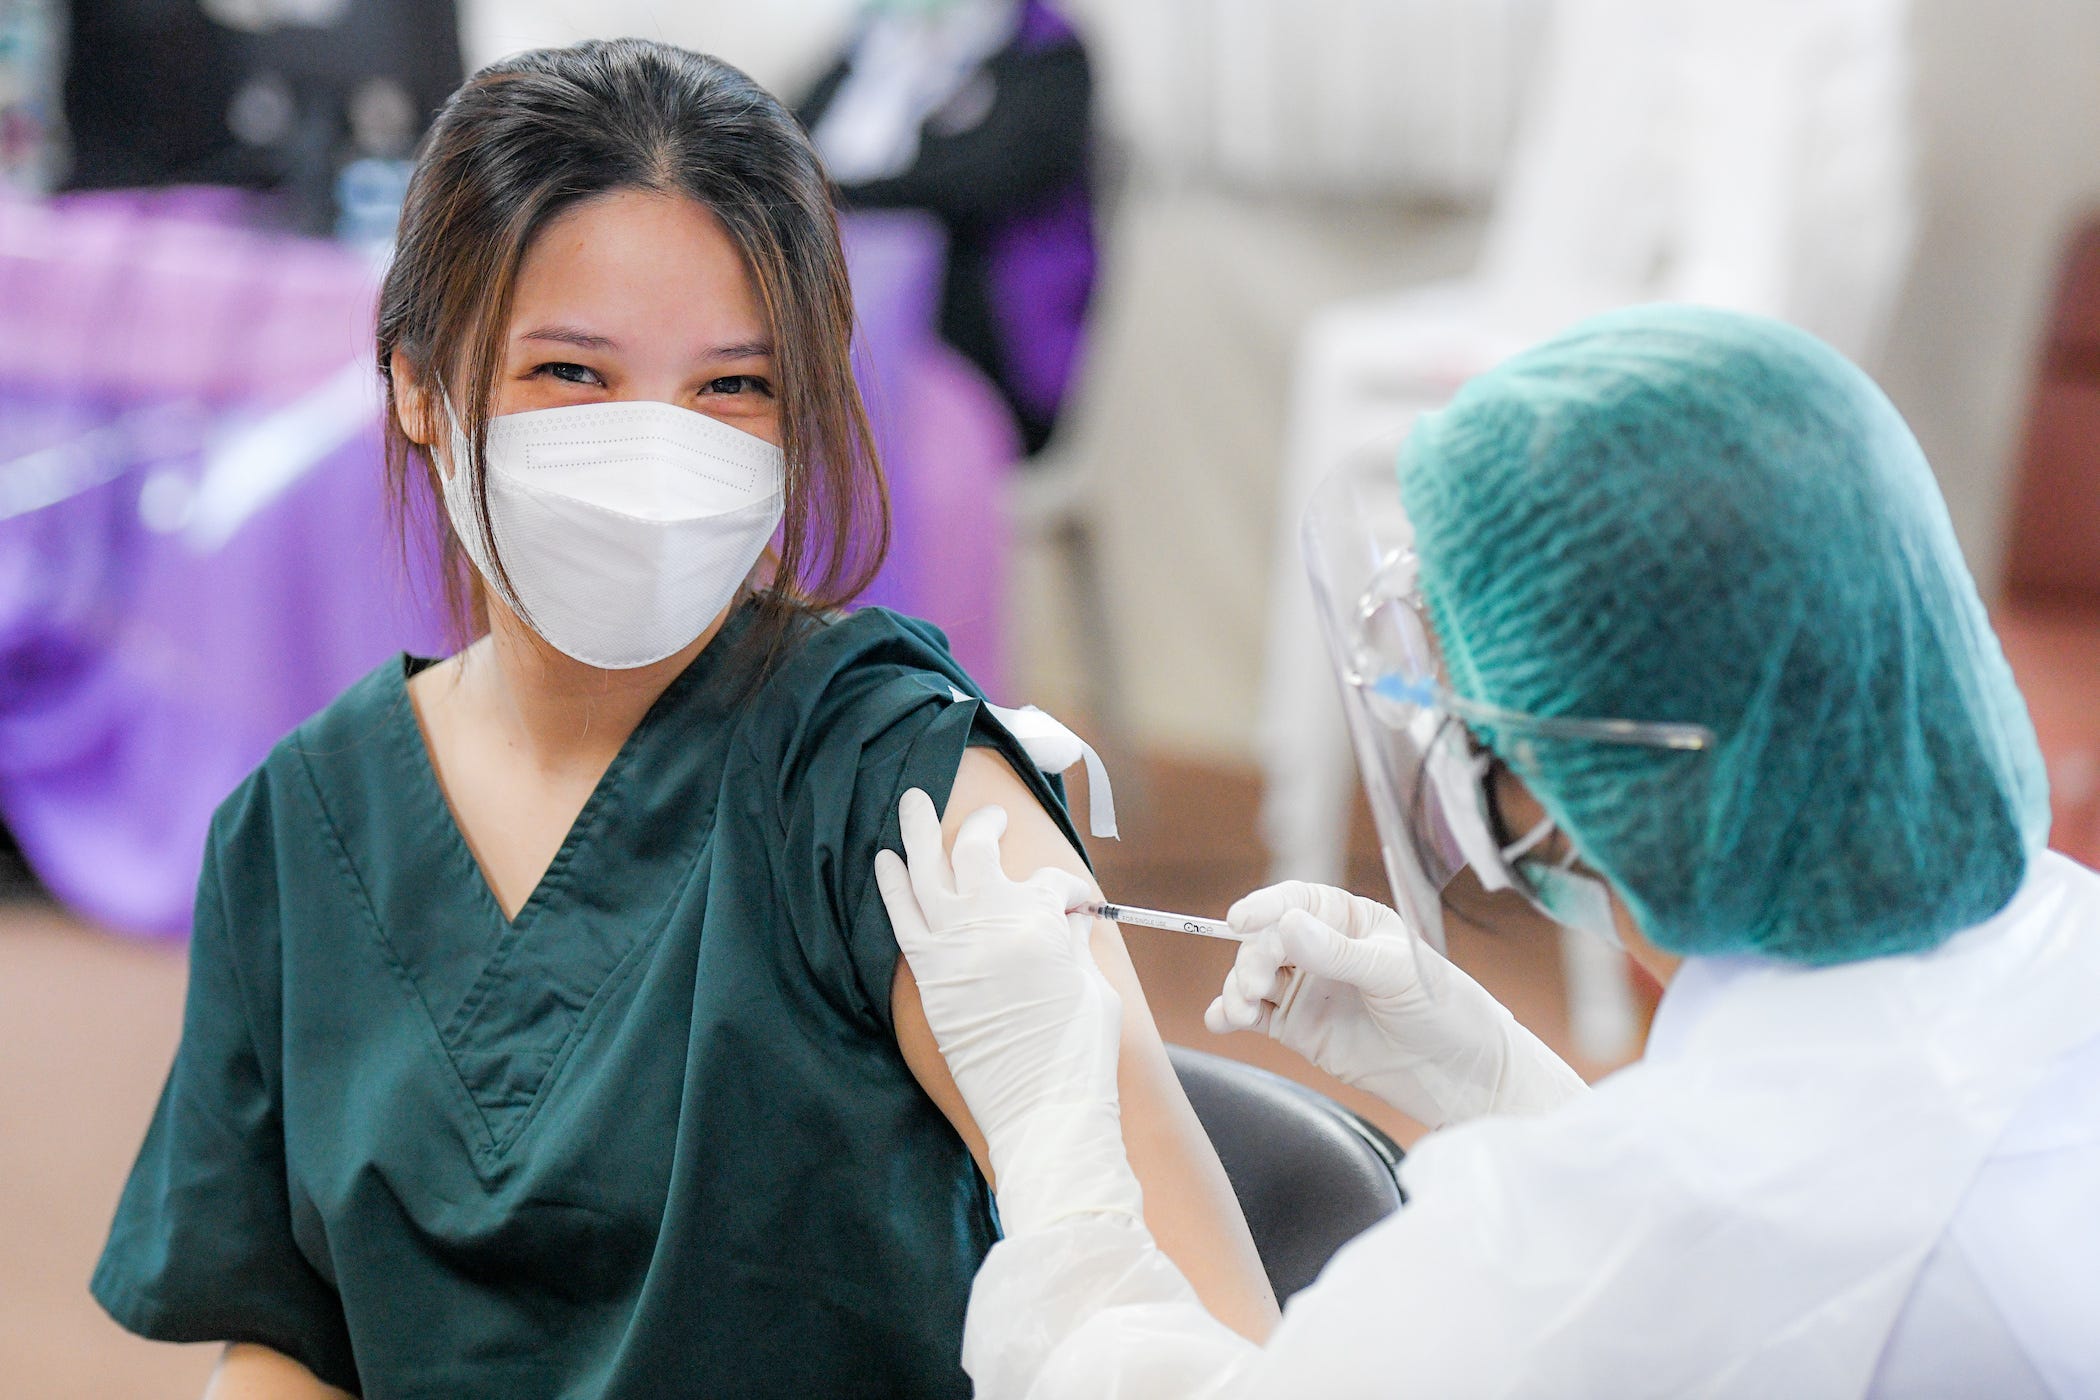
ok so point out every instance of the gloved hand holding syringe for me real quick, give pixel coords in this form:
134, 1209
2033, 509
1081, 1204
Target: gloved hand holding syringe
1341, 980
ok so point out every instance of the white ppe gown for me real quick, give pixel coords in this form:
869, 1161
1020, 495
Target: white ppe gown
1876, 1179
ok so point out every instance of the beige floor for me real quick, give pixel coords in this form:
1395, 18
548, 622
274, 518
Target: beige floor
87, 1026
88, 1023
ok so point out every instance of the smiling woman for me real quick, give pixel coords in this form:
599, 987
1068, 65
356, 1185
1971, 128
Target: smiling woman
546, 1034
545, 260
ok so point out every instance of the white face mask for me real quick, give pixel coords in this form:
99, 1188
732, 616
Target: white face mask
625, 528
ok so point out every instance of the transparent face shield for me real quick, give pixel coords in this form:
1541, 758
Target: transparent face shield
1442, 801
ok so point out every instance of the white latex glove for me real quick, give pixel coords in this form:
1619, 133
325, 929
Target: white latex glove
1379, 1008
1028, 1025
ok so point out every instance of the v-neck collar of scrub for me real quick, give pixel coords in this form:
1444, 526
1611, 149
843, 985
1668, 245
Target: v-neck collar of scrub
506, 999
554, 880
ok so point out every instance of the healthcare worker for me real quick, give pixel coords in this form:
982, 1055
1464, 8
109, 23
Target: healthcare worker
1682, 645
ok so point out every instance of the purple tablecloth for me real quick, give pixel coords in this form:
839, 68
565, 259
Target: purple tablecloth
195, 552
144, 677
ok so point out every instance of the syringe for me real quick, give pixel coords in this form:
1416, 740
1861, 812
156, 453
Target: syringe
1159, 918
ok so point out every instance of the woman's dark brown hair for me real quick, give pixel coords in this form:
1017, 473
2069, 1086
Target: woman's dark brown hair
536, 134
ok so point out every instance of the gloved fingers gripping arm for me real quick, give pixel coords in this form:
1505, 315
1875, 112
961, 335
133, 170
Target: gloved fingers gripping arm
1056, 1274
1382, 1010
1189, 1206
1025, 1021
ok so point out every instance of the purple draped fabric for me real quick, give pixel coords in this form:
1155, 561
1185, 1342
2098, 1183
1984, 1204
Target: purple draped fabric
144, 677
1042, 273
146, 666
1042, 265
945, 436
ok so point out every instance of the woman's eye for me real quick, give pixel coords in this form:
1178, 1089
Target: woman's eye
569, 373
739, 384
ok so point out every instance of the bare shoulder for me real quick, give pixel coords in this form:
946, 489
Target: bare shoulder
1033, 838
250, 1372
1189, 1204
1032, 841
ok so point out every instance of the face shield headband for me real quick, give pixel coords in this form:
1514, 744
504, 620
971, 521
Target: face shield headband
1426, 752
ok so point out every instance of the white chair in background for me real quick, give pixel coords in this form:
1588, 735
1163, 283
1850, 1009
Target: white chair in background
1298, 96
1343, 100
1746, 153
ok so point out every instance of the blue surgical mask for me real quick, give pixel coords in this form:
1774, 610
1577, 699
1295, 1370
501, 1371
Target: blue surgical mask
1574, 900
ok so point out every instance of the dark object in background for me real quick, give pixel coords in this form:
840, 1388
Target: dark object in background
2048, 616
2055, 550
1309, 1174
270, 95
1004, 165
17, 880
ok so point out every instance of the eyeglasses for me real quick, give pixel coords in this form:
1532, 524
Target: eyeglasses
1397, 665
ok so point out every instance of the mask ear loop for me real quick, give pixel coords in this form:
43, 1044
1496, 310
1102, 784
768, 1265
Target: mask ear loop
1480, 912
1514, 853
1486, 765
469, 515
1528, 842
1421, 819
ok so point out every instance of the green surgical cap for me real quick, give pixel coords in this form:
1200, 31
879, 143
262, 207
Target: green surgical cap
1677, 513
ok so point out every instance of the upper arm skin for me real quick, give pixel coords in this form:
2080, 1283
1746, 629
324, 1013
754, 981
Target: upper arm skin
251, 1372
1189, 1205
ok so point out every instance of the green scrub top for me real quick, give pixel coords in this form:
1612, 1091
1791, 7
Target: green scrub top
653, 1137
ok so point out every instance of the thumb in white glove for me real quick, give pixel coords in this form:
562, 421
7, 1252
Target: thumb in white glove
1028, 1025
1378, 1008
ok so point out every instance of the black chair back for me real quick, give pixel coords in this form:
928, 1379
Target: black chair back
1310, 1175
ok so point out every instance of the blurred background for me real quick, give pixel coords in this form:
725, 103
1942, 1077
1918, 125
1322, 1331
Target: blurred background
1132, 276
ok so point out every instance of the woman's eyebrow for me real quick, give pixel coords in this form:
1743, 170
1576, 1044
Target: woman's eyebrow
742, 350
591, 340
569, 335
